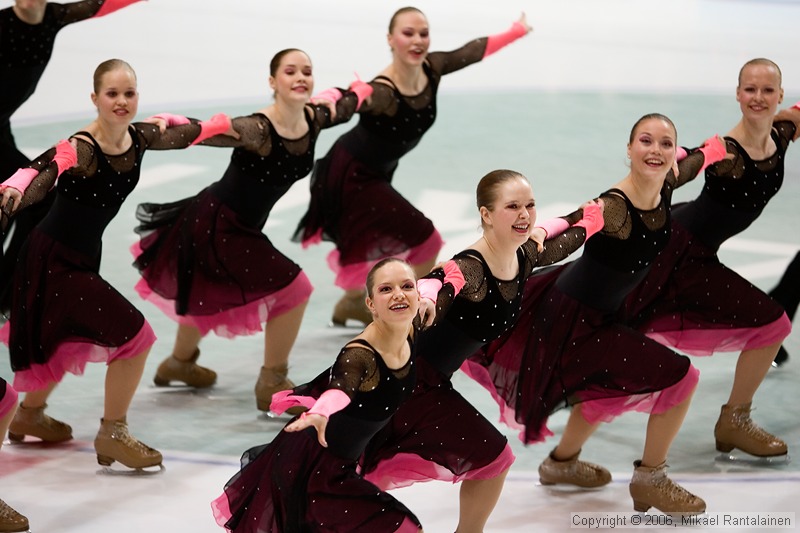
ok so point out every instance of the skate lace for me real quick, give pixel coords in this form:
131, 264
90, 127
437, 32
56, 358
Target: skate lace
122, 435
7, 513
672, 490
745, 423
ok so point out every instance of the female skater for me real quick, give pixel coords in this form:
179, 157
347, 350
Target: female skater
63, 313
10, 520
306, 479
569, 350
437, 434
205, 261
353, 203
694, 303
25, 26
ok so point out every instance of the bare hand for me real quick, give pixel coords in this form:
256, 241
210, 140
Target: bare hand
524, 21
331, 105
12, 195
427, 311
538, 235
791, 114
158, 121
307, 420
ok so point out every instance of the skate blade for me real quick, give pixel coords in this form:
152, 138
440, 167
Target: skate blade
744, 459
132, 472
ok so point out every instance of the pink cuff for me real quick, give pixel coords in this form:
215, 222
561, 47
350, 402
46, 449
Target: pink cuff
796, 106
454, 276
429, 288
66, 156
361, 89
713, 150
331, 94
21, 179
109, 6
219, 123
331, 401
173, 120
496, 42
680, 153
592, 220
554, 226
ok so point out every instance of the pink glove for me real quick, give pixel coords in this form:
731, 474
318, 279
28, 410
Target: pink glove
496, 42
21, 179
330, 401
429, 288
714, 150
362, 89
454, 276
219, 123
592, 220
331, 95
109, 6
173, 120
554, 226
66, 156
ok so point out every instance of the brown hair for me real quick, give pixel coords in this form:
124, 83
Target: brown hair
401, 11
486, 193
761, 61
107, 66
380, 264
275, 63
648, 116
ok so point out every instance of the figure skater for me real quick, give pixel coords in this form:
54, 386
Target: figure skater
353, 203
64, 314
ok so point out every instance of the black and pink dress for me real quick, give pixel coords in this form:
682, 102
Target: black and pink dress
64, 314
570, 346
294, 485
205, 260
689, 299
437, 433
353, 203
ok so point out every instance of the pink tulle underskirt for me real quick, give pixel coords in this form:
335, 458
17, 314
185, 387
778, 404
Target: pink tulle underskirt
606, 409
709, 341
247, 319
405, 469
72, 356
354, 276
8, 402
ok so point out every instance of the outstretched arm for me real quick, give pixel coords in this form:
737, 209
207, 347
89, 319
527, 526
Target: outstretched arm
78, 11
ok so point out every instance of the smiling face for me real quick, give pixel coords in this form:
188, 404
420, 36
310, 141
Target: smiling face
293, 79
512, 212
409, 37
652, 148
393, 293
116, 97
759, 92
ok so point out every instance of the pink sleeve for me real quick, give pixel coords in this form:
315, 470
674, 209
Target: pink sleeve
554, 226
592, 220
363, 90
496, 42
330, 401
173, 120
454, 276
21, 179
429, 288
219, 123
109, 6
713, 151
66, 156
331, 94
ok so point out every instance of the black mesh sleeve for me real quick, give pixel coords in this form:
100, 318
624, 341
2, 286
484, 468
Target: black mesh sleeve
355, 369
173, 138
786, 132
556, 249
254, 135
688, 168
78, 11
447, 62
